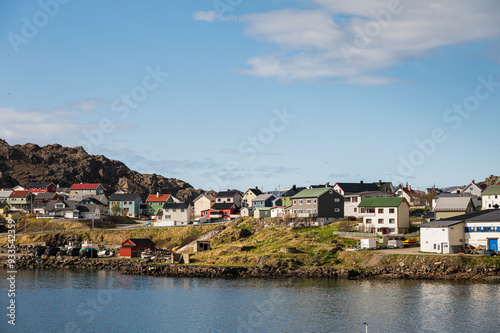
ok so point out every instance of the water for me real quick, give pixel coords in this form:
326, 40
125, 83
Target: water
105, 301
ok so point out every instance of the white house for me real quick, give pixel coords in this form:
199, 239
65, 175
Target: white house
249, 195
385, 215
246, 211
229, 196
179, 213
491, 197
474, 189
352, 201
451, 235
277, 211
203, 202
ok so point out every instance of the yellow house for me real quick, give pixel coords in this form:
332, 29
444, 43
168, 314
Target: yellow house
7, 214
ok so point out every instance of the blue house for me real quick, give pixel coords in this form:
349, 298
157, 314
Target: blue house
125, 204
265, 200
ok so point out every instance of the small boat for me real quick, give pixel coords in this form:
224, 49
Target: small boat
147, 254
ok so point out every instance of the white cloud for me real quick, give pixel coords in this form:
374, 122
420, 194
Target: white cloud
208, 16
352, 40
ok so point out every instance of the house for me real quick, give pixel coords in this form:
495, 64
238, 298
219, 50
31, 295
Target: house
224, 210
42, 187
179, 213
6, 213
79, 191
264, 200
203, 202
453, 206
20, 200
348, 188
278, 211
249, 195
128, 204
385, 187
414, 198
19, 188
201, 245
67, 209
476, 201
102, 198
286, 197
229, 196
92, 201
452, 235
261, 212
475, 189
46, 196
385, 215
133, 247
89, 211
155, 202
491, 197
5, 194
352, 201
246, 212
321, 205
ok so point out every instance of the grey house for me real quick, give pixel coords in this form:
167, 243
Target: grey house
321, 205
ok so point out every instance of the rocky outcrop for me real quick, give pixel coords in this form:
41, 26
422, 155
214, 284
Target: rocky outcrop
23, 164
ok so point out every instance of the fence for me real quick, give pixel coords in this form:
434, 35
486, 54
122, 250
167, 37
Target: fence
358, 234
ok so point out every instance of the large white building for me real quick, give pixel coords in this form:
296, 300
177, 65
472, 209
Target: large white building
452, 235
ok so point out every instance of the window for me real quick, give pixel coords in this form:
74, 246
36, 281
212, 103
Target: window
368, 221
381, 211
168, 216
315, 201
309, 211
166, 209
348, 199
392, 230
182, 210
392, 221
362, 210
380, 221
314, 210
354, 199
308, 201
301, 202
337, 210
294, 202
355, 210
391, 210
434, 246
336, 200
371, 210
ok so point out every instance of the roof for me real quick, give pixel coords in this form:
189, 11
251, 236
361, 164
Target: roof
292, 191
255, 191
206, 195
158, 197
3, 204
223, 205
5, 194
493, 189
124, 197
88, 208
358, 187
141, 241
175, 205
19, 194
487, 215
452, 204
311, 192
264, 197
262, 208
93, 201
381, 202
453, 195
40, 184
440, 224
45, 196
227, 194
84, 186
278, 207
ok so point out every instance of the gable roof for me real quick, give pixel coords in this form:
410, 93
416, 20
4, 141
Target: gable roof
381, 202
19, 194
227, 194
223, 205
358, 187
452, 204
255, 191
158, 197
206, 195
312, 192
264, 197
46, 196
175, 205
140, 241
492, 190
124, 197
487, 215
85, 186
5, 194
292, 191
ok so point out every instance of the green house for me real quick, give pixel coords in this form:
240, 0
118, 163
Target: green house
156, 201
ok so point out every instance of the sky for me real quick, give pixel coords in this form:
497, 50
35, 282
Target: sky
238, 93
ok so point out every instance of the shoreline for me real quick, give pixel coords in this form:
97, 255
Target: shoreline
438, 271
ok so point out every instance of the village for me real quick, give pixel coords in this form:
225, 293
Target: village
463, 219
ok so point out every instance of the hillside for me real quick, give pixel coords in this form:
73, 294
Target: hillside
23, 164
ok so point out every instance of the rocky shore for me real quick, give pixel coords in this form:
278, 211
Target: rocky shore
437, 271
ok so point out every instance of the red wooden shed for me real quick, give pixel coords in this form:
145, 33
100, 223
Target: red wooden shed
133, 247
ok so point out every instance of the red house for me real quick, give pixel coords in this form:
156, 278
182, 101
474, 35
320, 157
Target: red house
221, 210
133, 247
42, 187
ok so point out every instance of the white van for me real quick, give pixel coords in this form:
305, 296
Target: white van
200, 220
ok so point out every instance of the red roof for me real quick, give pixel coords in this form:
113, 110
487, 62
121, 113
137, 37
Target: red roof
84, 186
159, 198
19, 194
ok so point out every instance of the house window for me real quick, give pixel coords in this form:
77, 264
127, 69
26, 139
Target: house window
356, 210
294, 202
337, 210
368, 221
182, 210
168, 216
391, 210
392, 230
308, 201
381, 211
380, 221
354, 199
315, 201
309, 211
371, 210
166, 209
301, 202
314, 210
219, 200
336, 200
174, 210
392, 221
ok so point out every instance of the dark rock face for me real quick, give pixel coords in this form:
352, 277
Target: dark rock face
23, 164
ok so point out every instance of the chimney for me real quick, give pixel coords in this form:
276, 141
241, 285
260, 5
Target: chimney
256, 187
228, 190
327, 184
380, 181
473, 181
157, 194
361, 182
294, 187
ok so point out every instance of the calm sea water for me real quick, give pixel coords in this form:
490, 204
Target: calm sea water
105, 301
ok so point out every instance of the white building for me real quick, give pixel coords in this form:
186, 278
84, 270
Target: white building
385, 215
203, 202
491, 197
178, 213
277, 211
352, 201
451, 235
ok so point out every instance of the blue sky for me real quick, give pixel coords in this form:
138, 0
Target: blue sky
237, 94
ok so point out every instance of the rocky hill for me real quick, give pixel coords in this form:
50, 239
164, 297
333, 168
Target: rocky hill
23, 164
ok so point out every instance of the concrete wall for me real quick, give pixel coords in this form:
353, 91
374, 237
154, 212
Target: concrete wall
489, 201
478, 236
442, 239
200, 205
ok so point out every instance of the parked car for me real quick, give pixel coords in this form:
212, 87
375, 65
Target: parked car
350, 218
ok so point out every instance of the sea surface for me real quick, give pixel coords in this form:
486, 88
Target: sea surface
106, 301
